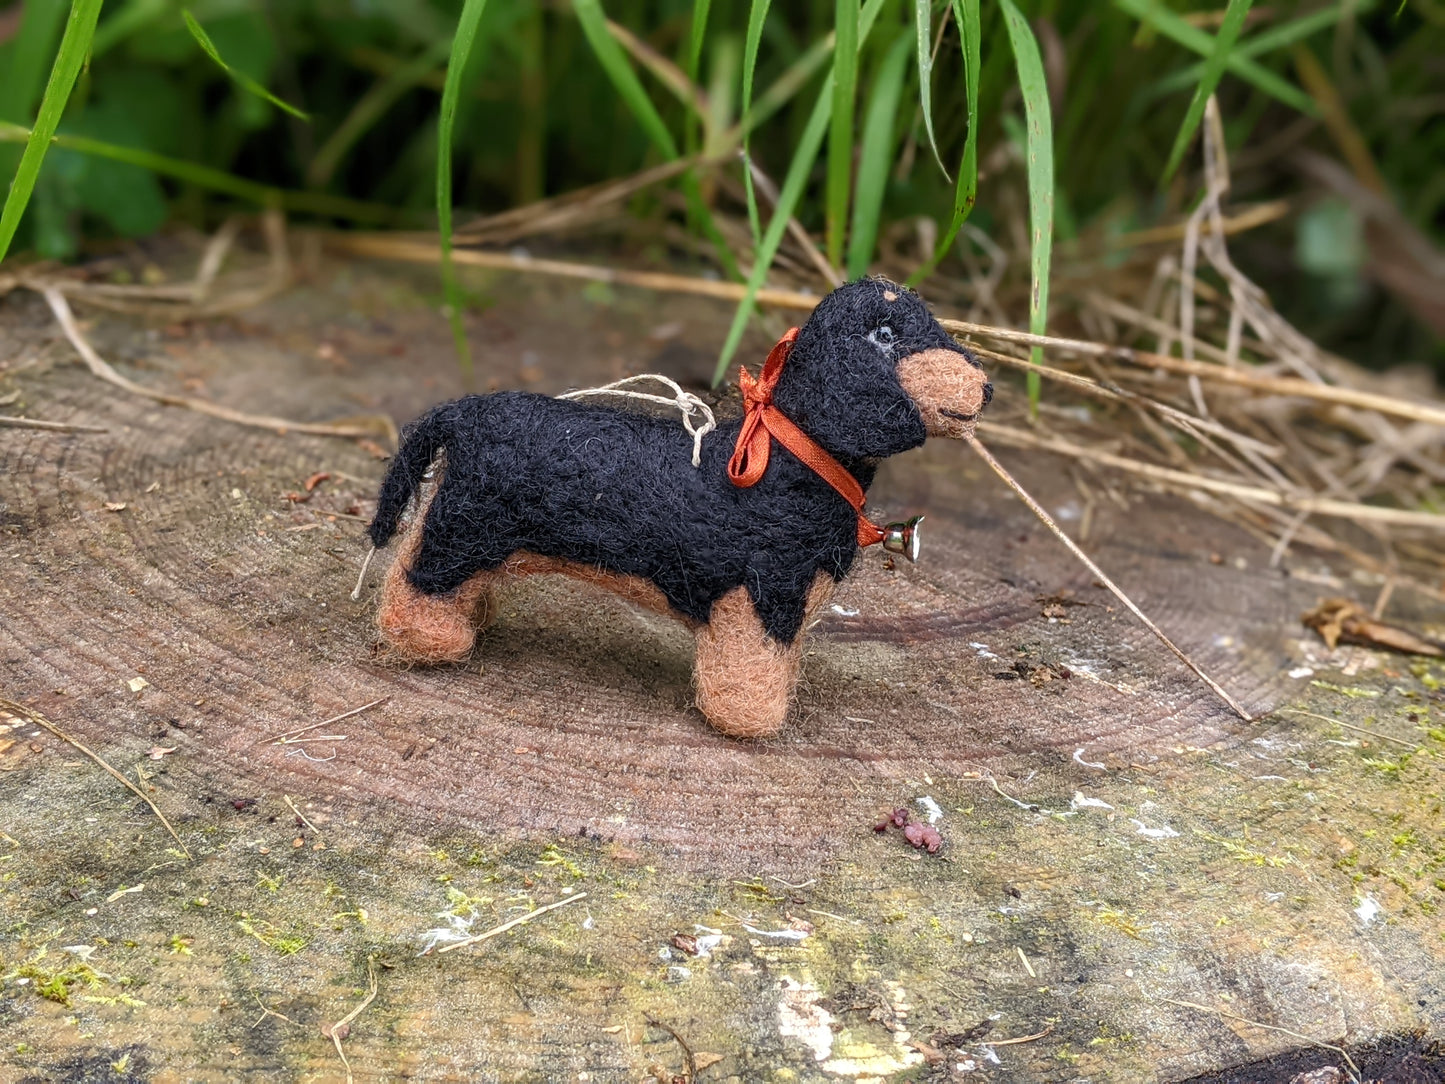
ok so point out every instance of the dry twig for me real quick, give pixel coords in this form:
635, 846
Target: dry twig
1354, 1069
1021, 1039
1347, 726
40, 720
1239, 376
287, 736
1048, 521
689, 1060
7, 422
384, 246
342, 1028
505, 926
299, 815
101, 368
267, 1011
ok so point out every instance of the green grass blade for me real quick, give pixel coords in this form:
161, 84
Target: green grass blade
698, 32
614, 62
74, 46
804, 155
840, 134
781, 91
461, 52
1040, 152
796, 179
966, 14
624, 79
240, 78
923, 33
1267, 41
1228, 34
369, 109
876, 157
1191, 37
317, 203
757, 16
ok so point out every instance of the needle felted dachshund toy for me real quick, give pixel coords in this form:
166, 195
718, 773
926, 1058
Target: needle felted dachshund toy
742, 546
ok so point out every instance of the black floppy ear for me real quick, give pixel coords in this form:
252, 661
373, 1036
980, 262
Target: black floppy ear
841, 384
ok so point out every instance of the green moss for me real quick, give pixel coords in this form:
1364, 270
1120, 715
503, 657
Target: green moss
1385, 764
270, 936
1245, 854
553, 856
1355, 692
1120, 921
56, 983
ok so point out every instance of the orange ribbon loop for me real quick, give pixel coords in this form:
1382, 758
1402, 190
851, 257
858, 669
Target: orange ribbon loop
763, 423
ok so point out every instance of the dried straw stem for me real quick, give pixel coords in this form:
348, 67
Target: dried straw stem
384, 246
1240, 377
101, 368
1324, 506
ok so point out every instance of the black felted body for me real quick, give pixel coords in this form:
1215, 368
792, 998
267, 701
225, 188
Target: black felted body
617, 490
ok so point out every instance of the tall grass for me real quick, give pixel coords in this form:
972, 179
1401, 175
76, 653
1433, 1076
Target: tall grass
79, 29
240, 78
1229, 29
461, 51
868, 114
1039, 151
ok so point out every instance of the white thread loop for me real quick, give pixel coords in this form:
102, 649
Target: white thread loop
691, 406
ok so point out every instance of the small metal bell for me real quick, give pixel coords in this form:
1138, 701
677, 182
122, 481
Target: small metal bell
902, 537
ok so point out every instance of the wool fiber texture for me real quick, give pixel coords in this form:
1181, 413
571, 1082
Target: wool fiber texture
616, 490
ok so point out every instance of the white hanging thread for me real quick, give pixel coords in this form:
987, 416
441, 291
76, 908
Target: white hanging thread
685, 401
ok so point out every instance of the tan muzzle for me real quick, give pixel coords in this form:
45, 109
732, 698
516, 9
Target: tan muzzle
948, 390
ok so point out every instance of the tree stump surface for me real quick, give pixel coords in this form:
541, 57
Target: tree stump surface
1116, 842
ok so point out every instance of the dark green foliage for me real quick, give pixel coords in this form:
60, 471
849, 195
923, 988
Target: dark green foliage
546, 102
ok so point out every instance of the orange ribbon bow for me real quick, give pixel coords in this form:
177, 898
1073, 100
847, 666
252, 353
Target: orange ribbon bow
763, 423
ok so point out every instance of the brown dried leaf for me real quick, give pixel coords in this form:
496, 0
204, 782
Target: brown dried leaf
931, 1054
1339, 619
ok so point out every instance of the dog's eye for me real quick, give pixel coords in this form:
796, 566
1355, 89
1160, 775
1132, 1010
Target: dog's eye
882, 338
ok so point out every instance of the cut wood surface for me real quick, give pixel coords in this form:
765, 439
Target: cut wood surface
1116, 842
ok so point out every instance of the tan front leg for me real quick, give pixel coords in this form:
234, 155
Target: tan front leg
744, 678
431, 629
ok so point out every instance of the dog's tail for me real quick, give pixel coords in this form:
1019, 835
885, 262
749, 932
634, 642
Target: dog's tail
420, 442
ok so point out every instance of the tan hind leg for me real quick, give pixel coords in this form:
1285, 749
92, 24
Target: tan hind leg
744, 678
431, 629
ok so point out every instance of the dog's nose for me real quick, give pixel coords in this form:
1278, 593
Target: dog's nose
948, 389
